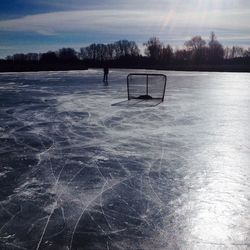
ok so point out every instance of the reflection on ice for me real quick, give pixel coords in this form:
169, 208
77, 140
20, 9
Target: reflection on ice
77, 172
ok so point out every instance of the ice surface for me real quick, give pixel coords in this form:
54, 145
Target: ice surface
77, 172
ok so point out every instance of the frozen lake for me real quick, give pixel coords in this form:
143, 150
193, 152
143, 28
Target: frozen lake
79, 173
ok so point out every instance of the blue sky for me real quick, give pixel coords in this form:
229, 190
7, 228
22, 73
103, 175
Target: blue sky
42, 25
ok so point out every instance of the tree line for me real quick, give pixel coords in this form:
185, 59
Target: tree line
96, 52
195, 51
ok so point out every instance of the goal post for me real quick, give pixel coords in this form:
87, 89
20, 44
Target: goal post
146, 86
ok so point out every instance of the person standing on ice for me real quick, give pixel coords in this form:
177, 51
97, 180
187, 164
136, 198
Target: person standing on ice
105, 73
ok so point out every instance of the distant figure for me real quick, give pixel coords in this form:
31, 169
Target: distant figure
105, 73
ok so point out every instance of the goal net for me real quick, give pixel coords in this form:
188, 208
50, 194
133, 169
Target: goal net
146, 86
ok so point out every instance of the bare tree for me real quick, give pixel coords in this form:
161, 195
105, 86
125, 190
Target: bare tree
67, 54
126, 48
234, 52
153, 48
167, 54
215, 53
182, 56
134, 50
247, 53
110, 51
49, 57
195, 43
19, 57
237, 51
196, 46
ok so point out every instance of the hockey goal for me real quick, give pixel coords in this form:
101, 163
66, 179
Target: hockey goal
146, 86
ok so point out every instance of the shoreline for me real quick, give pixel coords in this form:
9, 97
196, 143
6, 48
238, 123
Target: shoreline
5, 68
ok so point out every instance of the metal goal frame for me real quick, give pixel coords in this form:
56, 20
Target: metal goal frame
147, 76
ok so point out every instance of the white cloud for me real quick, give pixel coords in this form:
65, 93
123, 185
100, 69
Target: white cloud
128, 21
3, 47
142, 4
46, 32
171, 25
173, 21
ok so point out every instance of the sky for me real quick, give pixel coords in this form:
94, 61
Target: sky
42, 25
